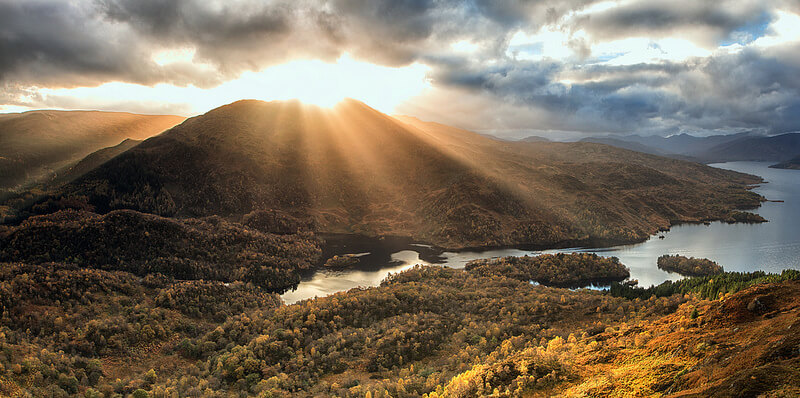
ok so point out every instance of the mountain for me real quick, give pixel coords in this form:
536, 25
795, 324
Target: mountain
684, 144
712, 149
775, 148
792, 164
353, 169
34, 145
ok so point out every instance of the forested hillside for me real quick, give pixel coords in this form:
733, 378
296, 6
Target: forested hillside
260, 250
353, 169
72, 331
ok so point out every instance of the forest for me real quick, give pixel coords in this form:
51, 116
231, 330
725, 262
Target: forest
69, 330
268, 249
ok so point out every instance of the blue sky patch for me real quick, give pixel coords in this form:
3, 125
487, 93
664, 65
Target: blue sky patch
749, 32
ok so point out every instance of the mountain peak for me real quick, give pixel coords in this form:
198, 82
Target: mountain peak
351, 168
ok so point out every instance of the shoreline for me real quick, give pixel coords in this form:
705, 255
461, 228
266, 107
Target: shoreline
431, 250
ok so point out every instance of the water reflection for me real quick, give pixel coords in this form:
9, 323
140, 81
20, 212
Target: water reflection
771, 246
326, 281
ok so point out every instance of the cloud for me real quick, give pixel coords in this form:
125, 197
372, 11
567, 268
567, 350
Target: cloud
42, 39
53, 42
749, 90
704, 22
578, 66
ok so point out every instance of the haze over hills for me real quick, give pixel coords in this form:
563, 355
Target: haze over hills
686, 144
92, 161
630, 145
354, 169
34, 145
779, 147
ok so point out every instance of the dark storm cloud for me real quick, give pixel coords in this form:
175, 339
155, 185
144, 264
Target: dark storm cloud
750, 90
757, 89
44, 38
703, 21
76, 43
65, 44
50, 43
230, 35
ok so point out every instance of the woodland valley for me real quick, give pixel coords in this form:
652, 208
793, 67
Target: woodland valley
144, 256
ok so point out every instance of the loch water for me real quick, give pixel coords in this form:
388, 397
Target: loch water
770, 247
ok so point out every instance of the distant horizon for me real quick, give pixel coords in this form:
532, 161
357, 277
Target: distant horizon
516, 135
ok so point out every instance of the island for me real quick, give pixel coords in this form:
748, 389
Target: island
689, 266
343, 261
561, 269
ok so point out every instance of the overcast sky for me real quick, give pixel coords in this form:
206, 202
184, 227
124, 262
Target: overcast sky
515, 68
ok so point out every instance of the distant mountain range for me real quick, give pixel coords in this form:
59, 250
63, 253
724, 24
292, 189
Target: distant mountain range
686, 144
353, 169
717, 148
776, 148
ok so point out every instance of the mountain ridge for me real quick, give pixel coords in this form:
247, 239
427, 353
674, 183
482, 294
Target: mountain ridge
353, 169
778, 147
712, 149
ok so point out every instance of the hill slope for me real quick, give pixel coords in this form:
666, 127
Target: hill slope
792, 164
354, 169
125, 240
35, 144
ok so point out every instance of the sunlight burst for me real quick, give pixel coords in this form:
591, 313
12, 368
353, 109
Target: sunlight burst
310, 81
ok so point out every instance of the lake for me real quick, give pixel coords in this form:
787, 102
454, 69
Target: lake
771, 246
